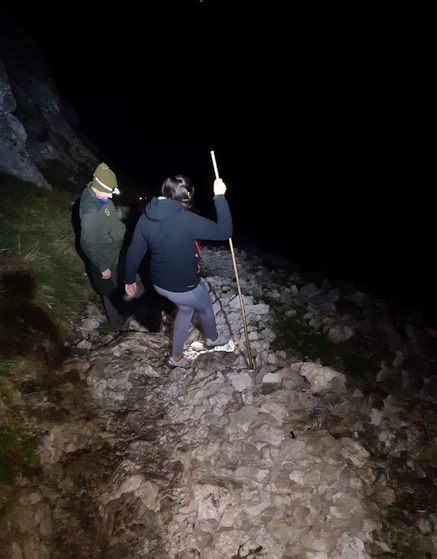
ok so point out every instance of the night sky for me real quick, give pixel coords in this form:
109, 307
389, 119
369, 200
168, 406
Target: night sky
315, 120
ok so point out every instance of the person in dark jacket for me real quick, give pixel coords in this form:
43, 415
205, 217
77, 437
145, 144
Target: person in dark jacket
169, 231
102, 235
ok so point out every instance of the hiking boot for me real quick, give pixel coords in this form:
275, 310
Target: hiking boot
221, 340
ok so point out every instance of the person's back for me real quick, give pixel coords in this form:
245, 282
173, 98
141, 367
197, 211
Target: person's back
169, 231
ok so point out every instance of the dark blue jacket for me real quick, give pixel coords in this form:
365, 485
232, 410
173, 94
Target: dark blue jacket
169, 231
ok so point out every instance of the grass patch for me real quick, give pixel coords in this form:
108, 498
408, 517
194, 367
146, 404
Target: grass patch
356, 358
105, 328
8, 366
43, 292
295, 334
18, 454
37, 239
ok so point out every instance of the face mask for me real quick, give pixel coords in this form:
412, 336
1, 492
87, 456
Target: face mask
102, 200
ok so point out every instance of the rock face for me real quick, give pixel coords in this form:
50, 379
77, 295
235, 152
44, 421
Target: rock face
253, 452
37, 144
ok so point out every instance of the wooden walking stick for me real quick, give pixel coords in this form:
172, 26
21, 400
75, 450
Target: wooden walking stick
243, 314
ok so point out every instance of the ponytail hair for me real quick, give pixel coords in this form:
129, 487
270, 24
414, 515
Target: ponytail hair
180, 188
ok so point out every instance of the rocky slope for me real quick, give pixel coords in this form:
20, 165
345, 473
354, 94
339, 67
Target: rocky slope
256, 451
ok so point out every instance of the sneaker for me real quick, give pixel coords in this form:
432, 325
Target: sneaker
221, 340
182, 363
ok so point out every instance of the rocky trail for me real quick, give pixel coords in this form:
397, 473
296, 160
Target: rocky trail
322, 450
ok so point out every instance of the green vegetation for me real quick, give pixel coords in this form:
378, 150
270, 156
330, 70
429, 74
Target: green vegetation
105, 328
294, 333
37, 240
18, 453
43, 293
7, 366
353, 357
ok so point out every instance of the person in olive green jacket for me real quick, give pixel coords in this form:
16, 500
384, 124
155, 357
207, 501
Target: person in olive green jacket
102, 235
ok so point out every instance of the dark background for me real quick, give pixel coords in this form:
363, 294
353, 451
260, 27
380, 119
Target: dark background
318, 118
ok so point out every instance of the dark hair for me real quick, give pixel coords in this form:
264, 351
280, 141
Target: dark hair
180, 188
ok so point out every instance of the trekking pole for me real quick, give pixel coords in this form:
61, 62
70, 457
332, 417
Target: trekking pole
243, 314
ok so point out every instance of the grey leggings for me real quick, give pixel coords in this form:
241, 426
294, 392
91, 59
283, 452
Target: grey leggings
187, 302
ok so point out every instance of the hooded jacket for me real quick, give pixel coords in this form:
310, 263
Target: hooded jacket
101, 238
168, 231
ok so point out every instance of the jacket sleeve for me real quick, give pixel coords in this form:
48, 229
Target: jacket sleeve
219, 229
136, 251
